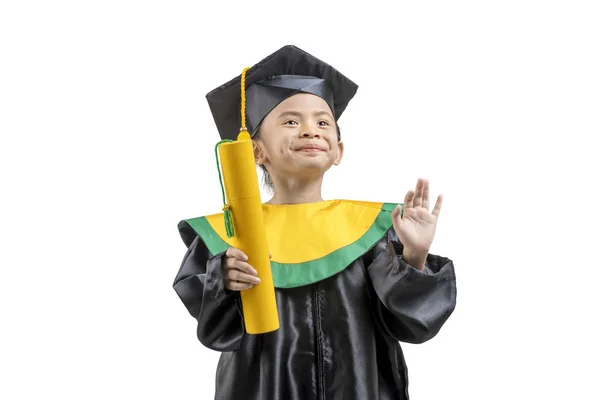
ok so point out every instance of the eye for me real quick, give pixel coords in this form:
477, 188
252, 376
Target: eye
290, 122
323, 123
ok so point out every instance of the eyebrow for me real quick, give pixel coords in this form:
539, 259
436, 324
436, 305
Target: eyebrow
299, 114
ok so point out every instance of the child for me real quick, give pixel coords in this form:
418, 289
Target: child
352, 278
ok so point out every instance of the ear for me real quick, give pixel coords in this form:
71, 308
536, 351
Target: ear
259, 154
338, 160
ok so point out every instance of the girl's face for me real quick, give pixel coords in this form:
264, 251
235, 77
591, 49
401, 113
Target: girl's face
298, 138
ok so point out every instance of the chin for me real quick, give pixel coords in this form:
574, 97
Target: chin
312, 163
308, 164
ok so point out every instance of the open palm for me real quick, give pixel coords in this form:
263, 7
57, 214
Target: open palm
415, 226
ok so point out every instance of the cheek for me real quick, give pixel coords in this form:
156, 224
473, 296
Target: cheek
282, 146
276, 151
333, 145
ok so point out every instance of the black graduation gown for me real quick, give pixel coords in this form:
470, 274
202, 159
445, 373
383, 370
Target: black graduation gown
338, 338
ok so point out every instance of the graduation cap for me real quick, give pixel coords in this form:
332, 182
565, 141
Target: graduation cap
282, 74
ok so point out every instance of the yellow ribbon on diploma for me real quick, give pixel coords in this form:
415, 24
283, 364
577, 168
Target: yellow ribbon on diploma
244, 221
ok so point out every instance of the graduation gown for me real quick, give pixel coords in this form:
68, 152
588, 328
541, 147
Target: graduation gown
343, 310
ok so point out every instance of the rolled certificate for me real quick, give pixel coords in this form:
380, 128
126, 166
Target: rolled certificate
241, 185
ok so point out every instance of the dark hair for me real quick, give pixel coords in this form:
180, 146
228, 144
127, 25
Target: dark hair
267, 181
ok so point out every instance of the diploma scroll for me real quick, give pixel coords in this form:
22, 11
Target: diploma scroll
241, 186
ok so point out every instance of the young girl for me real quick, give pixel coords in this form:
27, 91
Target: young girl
352, 278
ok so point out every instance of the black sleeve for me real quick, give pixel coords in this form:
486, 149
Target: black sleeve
199, 284
412, 305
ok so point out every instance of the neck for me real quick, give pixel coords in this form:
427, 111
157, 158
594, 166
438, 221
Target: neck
296, 191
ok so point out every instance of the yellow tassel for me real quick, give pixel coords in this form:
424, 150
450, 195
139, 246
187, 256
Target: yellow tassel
228, 221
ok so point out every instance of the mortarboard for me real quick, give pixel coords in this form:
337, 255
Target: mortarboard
282, 74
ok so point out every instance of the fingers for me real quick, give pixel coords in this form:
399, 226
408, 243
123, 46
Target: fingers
240, 255
235, 275
425, 202
438, 206
418, 199
237, 286
396, 212
238, 274
234, 263
408, 199
236, 253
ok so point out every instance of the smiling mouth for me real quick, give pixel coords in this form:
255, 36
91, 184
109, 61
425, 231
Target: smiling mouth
310, 149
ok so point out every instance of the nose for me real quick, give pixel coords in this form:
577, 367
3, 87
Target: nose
310, 134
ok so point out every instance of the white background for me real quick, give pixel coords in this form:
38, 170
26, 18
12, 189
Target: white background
107, 143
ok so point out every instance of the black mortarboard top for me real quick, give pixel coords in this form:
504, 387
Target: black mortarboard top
284, 73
